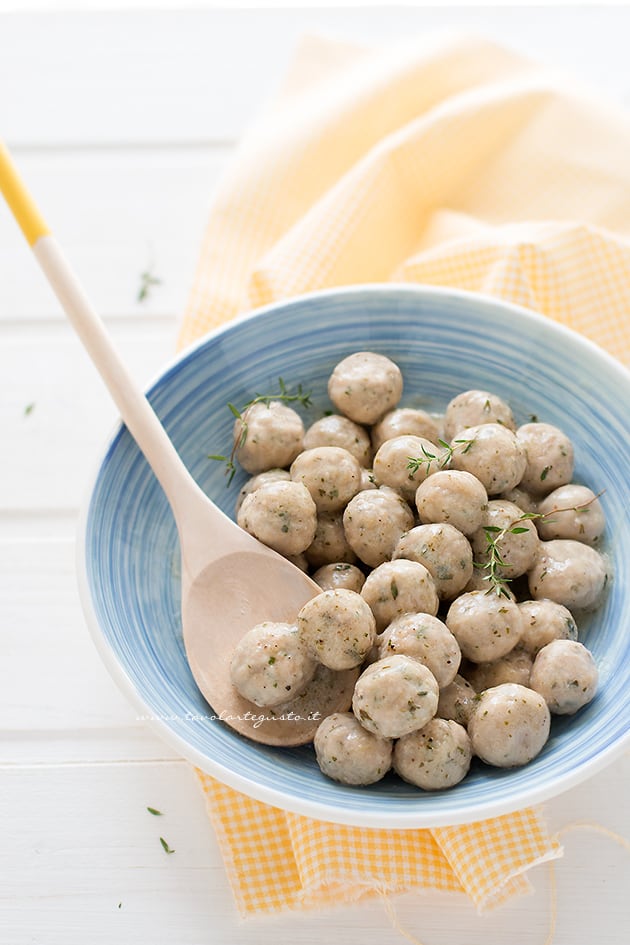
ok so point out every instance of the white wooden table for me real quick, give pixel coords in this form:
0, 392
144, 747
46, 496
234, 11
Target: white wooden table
122, 129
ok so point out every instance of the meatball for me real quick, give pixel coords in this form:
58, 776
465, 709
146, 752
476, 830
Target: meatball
336, 430
569, 572
339, 575
280, 514
492, 454
509, 725
373, 521
348, 753
486, 626
332, 476
514, 667
425, 638
391, 463
544, 621
364, 386
565, 675
434, 757
473, 407
329, 543
270, 665
571, 511
272, 475
373, 655
329, 690
549, 454
399, 587
523, 499
395, 696
445, 553
337, 628
404, 421
368, 480
454, 497
457, 701
267, 436
299, 561
517, 547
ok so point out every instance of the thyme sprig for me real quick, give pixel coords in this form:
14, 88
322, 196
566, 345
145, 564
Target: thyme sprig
494, 564
427, 458
285, 395
147, 281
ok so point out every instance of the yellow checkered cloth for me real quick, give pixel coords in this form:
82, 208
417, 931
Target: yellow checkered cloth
276, 860
446, 161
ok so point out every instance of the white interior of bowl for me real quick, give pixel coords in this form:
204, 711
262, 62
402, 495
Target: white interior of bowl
444, 342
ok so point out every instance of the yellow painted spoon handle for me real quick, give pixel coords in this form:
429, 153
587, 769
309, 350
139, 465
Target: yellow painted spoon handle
20, 201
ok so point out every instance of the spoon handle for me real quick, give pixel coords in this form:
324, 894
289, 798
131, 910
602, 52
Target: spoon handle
135, 410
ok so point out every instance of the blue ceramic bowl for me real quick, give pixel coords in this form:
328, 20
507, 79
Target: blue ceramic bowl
445, 342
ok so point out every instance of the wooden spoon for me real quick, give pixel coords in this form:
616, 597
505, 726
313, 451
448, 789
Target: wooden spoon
230, 581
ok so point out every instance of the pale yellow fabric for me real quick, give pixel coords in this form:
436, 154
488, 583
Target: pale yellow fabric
446, 161
276, 860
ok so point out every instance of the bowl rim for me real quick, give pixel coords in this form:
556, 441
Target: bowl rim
396, 819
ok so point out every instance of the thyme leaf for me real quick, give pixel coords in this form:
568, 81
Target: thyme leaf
416, 462
495, 565
147, 281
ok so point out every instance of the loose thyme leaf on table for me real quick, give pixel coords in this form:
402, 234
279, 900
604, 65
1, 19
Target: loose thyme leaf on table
165, 846
147, 281
156, 813
285, 396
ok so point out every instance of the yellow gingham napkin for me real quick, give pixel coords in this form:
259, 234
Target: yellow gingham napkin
276, 860
446, 161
